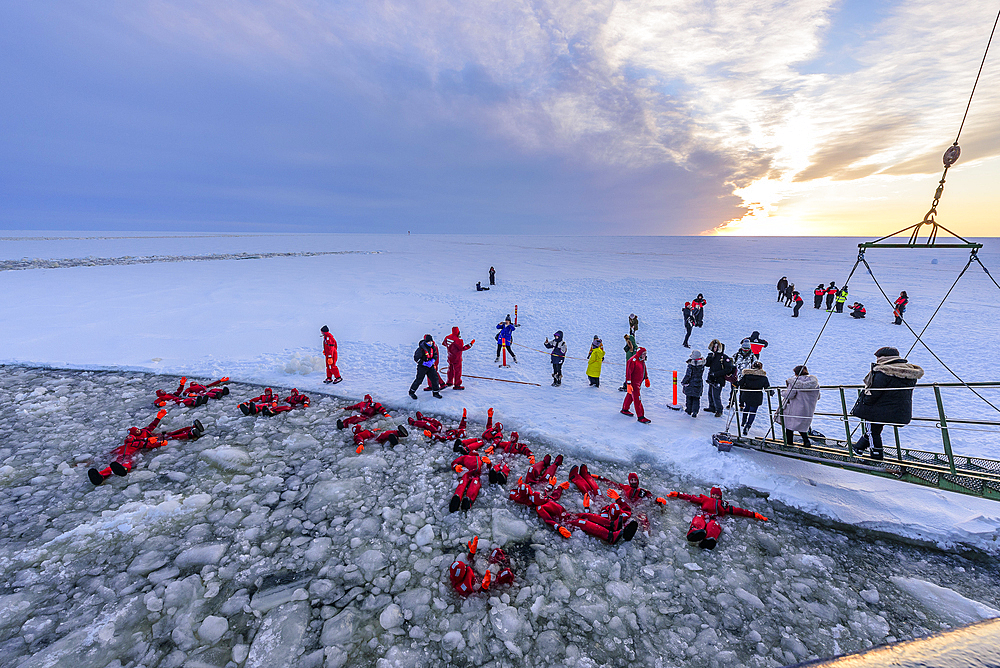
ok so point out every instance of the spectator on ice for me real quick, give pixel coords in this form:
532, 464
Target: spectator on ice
742, 360
782, 284
493, 276
831, 293
633, 324
699, 309
557, 356
818, 296
456, 346
719, 366
798, 303
757, 344
693, 383
505, 337
630, 349
789, 292
899, 307
636, 372
753, 382
887, 397
798, 404
330, 353
480, 288
688, 322
841, 299
425, 357
595, 359
857, 310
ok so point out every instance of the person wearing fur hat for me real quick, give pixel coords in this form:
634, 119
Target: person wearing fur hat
688, 314
635, 370
887, 397
426, 358
595, 358
752, 385
330, 353
455, 345
841, 299
693, 383
799, 404
719, 366
705, 529
557, 356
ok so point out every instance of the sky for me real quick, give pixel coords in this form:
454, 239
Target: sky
678, 117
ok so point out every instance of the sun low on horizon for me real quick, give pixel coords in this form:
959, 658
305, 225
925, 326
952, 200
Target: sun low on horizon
807, 117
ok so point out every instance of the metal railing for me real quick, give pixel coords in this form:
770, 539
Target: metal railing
944, 469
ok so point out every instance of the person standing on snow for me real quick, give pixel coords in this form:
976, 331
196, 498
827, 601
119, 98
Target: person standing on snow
788, 294
841, 298
595, 359
752, 384
635, 370
782, 284
330, 352
798, 303
899, 307
425, 357
630, 349
493, 275
719, 366
455, 345
699, 309
688, 322
557, 356
693, 384
742, 360
887, 397
633, 324
505, 337
818, 296
757, 344
831, 293
799, 404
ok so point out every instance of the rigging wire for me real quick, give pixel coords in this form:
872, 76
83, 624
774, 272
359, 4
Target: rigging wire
978, 74
943, 300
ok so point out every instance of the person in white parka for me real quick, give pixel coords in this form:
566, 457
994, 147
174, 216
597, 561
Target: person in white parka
798, 403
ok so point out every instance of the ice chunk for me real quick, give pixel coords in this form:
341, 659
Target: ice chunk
279, 640
371, 562
227, 458
453, 640
212, 629
507, 527
331, 493
944, 602
339, 629
590, 611
147, 562
619, 590
549, 646
318, 549
748, 598
391, 617
14, 609
201, 555
299, 441
506, 620
425, 535
272, 597
869, 595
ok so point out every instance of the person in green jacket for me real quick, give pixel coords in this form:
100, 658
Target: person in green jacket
630, 349
594, 361
840, 299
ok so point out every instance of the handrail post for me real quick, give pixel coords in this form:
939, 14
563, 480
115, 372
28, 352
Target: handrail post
945, 437
847, 423
781, 416
899, 448
770, 413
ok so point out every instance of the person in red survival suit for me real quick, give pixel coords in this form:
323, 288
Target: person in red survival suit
546, 505
544, 469
611, 524
470, 467
143, 439
705, 529
455, 345
425, 423
635, 373
255, 405
330, 353
463, 578
366, 409
586, 483
492, 434
162, 397
449, 434
214, 390
381, 436
293, 400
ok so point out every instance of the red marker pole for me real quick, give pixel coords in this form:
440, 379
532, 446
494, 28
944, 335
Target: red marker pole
674, 405
515, 315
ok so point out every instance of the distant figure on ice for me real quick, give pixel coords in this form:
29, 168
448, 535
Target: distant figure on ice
900, 307
595, 359
818, 294
557, 356
789, 294
636, 372
752, 385
425, 357
505, 337
688, 315
705, 529
857, 310
757, 344
719, 366
798, 303
456, 346
330, 353
630, 349
480, 288
143, 439
493, 276
633, 324
699, 309
693, 383
841, 298
798, 404
887, 397
831, 293
782, 284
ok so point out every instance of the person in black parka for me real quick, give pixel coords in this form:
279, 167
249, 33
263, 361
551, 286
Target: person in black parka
887, 397
493, 274
425, 356
782, 284
752, 384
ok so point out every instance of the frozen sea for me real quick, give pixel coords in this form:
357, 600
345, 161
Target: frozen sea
270, 542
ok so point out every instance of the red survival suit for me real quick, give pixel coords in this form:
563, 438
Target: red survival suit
293, 400
470, 467
463, 577
455, 345
448, 434
704, 529
214, 390
635, 376
545, 505
257, 404
330, 353
162, 397
143, 439
391, 436
366, 408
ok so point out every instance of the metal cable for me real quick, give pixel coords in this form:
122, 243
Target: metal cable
962, 273
985, 53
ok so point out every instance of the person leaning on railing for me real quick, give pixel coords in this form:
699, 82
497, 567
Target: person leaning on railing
887, 397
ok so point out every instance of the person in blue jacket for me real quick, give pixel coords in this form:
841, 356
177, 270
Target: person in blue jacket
504, 338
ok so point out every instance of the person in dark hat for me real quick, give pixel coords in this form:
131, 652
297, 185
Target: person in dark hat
557, 356
886, 399
330, 353
426, 358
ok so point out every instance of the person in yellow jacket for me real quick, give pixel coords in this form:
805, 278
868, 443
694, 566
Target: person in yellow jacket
595, 360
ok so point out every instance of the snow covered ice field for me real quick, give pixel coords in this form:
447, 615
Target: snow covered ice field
272, 533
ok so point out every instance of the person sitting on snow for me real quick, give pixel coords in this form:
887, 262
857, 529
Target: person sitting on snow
704, 528
480, 288
143, 439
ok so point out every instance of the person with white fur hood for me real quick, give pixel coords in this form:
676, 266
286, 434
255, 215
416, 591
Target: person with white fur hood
887, 397
798, 403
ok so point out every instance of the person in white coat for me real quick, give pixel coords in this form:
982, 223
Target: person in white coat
798, 404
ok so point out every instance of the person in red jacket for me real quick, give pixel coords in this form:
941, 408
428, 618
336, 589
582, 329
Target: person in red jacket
470, 467
546, 505
366, 408
178, 397
635, 372
293, 400
611, 524
256, 405
463, 577
455, 345
705, 529
381, 436
214, 390
330, 352
143, 439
